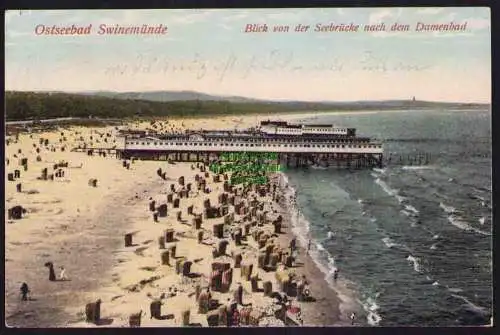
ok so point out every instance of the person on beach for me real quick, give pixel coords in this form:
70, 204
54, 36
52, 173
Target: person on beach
353, 317
62, 275
293, 244
52, 274
24, 292
309, 246
335, 274
302, 286
235, 318
239, 294
299, 318
209, 295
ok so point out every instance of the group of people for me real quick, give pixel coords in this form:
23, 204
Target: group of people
25, 291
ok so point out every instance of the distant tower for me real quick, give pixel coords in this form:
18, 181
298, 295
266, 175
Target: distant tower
413, 99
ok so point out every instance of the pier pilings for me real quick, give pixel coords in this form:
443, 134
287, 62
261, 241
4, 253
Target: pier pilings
290, 160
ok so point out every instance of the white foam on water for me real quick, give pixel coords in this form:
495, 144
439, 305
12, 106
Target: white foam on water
320, 247
436, 283
461, 224
471, 306
482, 220
447, 209
406, 213
455, 290
417, 167
412, 209
433, 247
301, 228
318, 167
389, 243
390, 191
382, 171
371, 307
330, 234
416, 263
360, 201
400, 198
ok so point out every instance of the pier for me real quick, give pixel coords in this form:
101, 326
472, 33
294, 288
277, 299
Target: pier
295, 145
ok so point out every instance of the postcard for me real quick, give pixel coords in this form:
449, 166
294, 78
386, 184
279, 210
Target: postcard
248, 167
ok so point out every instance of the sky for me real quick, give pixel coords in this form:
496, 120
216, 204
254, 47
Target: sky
207, 50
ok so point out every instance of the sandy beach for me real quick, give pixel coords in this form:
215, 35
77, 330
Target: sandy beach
72, 224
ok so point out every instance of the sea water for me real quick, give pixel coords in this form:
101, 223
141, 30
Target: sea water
412, 242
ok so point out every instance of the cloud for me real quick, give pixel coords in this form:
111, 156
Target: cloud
193, 16
387, 16
235, 17
430, 11
384, 14
296, 14
450, 17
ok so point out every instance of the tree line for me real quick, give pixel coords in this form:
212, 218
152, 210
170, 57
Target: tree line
36, 105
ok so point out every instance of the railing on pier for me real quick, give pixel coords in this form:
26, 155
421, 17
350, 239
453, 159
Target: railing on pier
262, 146
108, 150
412, 159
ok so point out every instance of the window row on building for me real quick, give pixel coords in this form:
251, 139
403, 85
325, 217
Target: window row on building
265, 145
279, 140
305, 131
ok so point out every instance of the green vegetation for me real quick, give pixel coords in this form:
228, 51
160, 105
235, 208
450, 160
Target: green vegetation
31, 105
41, 105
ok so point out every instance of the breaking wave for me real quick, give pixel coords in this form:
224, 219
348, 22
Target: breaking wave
416, 263
459, 222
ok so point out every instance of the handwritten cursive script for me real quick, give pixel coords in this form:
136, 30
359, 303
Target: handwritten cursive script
373, 62
244, 66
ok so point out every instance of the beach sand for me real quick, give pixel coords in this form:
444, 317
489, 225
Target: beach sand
82, 228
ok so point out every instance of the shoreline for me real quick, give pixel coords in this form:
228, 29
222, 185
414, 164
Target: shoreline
331, 293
